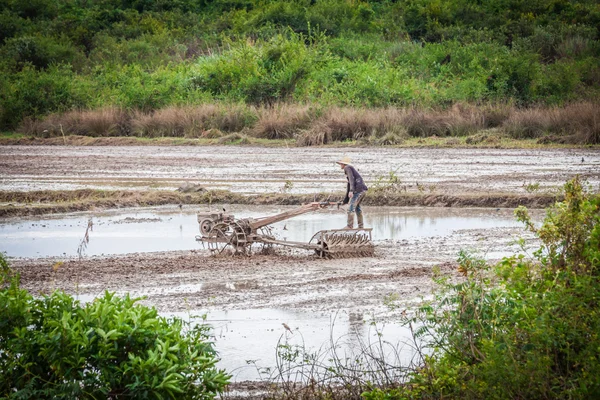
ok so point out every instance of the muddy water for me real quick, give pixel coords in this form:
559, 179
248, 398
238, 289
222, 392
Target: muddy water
247, 300
172, 229
247, 339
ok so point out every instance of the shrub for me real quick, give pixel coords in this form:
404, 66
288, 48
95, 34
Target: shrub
40, 52
527, 327
35, 93
55, 347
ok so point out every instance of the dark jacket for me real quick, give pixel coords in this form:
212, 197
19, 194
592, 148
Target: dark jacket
355, 182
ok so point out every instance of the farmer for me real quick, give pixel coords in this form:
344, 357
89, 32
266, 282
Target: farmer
355, 192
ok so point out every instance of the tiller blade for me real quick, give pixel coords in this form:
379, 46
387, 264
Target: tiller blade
342, 243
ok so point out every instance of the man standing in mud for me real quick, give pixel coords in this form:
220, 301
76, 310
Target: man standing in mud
355, 192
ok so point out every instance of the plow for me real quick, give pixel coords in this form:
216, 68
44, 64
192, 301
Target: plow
223, 233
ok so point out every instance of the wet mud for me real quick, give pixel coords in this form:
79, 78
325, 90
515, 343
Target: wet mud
290, 285
247, 300
256, 170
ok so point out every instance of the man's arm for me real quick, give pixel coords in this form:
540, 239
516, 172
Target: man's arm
347, 197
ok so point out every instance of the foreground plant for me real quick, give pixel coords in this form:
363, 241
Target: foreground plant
55, 347
527, 327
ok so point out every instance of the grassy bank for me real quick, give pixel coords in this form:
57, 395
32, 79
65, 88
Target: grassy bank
483, 139
147, 58
288, 124
50, 202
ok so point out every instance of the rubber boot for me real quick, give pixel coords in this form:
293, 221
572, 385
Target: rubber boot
350, 224
359, 219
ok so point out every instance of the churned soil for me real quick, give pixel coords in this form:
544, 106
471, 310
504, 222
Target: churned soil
64, 178
292, 280
36, 180
256, 170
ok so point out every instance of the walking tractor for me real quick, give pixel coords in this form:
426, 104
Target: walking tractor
222, 231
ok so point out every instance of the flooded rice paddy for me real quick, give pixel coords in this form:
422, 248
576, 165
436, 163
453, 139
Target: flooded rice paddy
173, 229
251, 301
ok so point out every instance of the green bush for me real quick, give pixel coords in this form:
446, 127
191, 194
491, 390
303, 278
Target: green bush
148, 55
39, 52
55, 347
527, 327
36, 93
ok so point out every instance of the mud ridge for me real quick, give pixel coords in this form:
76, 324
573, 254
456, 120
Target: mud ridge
37, 203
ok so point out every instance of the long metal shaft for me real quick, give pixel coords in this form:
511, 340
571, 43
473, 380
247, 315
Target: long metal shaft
260, 222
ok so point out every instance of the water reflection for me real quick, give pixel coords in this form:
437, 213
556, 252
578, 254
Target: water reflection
171, 229
253, 335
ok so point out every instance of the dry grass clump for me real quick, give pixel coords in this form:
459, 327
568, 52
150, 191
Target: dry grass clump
580, 121
491, 137
351, 123
527, 123
577, 123
170, 121
283, 121
313, 137
192, 121
231, 118
460, 120
347, 123
212, 134
391, 138
494, 115
101, 122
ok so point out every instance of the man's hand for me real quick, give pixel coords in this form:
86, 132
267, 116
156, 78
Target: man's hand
350, 194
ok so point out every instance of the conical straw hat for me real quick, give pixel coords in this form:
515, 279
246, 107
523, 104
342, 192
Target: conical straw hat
345, 160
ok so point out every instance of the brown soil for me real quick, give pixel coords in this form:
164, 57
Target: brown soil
179, 281
37, 180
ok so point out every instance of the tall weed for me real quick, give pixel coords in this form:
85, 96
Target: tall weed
581, 121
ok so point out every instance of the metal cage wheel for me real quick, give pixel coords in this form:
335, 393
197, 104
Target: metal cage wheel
323, 250
239, 239
219, 238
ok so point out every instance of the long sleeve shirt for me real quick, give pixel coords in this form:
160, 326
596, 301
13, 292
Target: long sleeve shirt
355, 181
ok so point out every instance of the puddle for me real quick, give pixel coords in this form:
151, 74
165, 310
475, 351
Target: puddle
247, 340
173, 229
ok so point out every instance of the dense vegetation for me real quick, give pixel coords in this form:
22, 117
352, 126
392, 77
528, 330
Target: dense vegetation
526, 328
53, 347
142, 56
